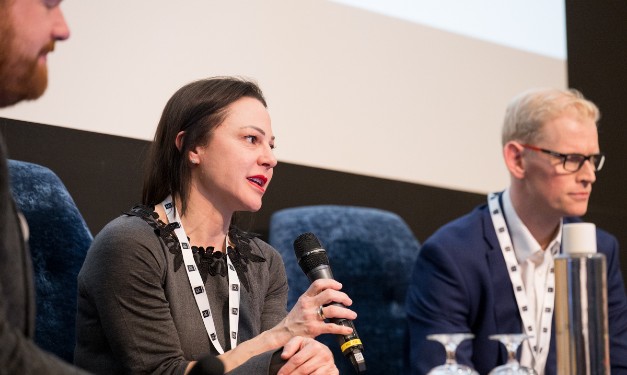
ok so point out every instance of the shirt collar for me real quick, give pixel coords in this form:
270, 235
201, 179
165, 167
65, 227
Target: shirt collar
522, 240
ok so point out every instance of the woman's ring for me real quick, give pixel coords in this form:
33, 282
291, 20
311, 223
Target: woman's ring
321, 313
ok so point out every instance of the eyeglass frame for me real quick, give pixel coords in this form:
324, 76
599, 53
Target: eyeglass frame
565, 157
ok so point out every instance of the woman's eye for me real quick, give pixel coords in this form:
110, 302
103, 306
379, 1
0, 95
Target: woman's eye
251, 139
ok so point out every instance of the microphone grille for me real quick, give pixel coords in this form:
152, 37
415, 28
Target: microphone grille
305, 243
309, 252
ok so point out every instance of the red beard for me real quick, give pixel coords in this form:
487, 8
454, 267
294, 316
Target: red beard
21, 77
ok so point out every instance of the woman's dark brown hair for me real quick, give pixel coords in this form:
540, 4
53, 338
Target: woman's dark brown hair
197, 109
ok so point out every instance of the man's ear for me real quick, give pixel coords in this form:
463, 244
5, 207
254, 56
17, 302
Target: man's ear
512, 153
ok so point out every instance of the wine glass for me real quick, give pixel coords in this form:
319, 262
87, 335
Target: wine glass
450, 342
512, 367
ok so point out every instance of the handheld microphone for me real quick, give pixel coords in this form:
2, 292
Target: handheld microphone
208, 365
313, 260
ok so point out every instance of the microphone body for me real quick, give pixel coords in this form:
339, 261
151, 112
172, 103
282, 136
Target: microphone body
313, 260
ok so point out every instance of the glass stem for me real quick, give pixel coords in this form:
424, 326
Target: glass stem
450, 355
512, 348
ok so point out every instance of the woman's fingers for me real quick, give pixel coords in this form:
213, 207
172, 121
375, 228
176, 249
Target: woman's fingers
306, 356
322, 284
337, 312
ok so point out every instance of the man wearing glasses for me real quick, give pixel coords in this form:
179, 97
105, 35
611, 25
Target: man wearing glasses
460, 282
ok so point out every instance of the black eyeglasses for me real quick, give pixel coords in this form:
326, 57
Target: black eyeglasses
573, 162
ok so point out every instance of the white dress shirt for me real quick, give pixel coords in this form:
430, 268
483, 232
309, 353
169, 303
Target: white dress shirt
535, 264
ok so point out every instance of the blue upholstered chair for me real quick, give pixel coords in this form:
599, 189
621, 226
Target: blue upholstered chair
59, 239
371, 253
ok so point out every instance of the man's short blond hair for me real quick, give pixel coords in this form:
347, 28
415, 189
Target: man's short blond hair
528, 111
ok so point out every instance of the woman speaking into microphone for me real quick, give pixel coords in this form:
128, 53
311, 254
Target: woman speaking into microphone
173, 280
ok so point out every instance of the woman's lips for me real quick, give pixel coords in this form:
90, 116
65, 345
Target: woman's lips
258, 181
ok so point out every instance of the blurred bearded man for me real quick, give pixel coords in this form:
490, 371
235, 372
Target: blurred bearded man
28, 31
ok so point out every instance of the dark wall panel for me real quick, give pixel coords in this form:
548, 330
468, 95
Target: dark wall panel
597, 57
104, 175
424, 208
102, 172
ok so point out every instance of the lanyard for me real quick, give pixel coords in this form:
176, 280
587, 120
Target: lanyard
198, 287
539, 342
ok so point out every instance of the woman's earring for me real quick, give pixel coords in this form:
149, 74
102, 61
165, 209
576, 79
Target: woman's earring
194, 161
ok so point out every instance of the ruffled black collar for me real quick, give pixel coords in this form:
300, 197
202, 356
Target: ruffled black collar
208, 261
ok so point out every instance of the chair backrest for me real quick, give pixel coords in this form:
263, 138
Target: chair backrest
58, 241
371, 253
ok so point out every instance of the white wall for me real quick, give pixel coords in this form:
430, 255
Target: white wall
348, 89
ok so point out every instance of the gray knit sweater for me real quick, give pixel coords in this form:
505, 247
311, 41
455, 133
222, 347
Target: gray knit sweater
137, 313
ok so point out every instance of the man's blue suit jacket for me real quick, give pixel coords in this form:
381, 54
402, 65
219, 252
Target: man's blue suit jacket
460, 284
